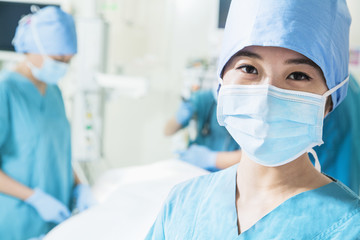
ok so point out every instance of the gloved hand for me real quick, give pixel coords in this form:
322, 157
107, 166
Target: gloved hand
184, 113
84, 198
49, 208
199, 156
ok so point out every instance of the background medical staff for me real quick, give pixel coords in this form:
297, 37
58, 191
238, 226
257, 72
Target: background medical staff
213, 148
340, 154
37, 184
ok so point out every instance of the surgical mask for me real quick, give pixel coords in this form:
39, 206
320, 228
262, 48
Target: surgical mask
273, 126
50, 72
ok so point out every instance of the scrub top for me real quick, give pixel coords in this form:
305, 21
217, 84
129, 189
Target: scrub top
204, 208
340, 154
208, 131
34, 150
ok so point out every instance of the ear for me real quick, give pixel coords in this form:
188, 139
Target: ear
328, 106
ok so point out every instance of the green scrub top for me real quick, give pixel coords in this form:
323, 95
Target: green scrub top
204, 208
208, 131
34, 150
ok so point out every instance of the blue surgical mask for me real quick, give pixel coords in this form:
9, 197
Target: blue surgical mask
50, 72
273, 126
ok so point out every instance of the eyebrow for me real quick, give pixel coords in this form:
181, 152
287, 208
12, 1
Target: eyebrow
244, 53
305, 61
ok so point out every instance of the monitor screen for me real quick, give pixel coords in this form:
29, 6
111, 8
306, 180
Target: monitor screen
10, 14
224, 6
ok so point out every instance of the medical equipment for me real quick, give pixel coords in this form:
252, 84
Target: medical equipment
10, 13
206, 128
224, 6
88, 101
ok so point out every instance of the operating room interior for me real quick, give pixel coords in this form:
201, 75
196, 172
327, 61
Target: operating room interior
136, 62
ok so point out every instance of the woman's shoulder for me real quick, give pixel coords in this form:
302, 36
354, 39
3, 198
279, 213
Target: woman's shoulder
6, 82
5, 77
195, 188
346, 191
344, 196
344, 207
8, 79
347, 201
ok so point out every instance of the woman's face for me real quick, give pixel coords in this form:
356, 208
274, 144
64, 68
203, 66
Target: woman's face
280, 67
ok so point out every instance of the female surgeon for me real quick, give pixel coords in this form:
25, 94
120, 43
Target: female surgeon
37, 184
283, 68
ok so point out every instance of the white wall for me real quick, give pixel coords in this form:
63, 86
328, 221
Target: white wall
154, 39
354, 7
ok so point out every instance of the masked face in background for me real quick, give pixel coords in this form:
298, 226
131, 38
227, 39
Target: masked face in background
51, 70
49, 33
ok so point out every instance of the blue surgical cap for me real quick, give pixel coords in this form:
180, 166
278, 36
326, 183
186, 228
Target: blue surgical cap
55, 31
317, 29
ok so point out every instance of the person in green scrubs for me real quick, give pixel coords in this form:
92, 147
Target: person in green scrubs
213, 147
37, 183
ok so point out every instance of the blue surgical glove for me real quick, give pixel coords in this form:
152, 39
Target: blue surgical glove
49, 208
184, 113
84, 198
199, 156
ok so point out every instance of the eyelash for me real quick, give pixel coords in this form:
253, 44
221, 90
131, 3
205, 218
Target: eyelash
303, 75
306, 77
242, 67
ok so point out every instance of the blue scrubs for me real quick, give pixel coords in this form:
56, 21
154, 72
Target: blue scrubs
340, 154
208, 131
204, 208
34, 150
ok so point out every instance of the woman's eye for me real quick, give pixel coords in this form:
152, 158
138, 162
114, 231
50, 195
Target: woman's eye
299, 76
248, 69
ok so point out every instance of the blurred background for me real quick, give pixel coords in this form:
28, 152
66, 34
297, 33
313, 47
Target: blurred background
137, 59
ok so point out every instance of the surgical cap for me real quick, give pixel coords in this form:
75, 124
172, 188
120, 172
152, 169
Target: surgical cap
52, 28
317, 29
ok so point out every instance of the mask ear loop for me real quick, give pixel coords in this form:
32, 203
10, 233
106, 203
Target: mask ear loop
317, 163
325, 95
331, 91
